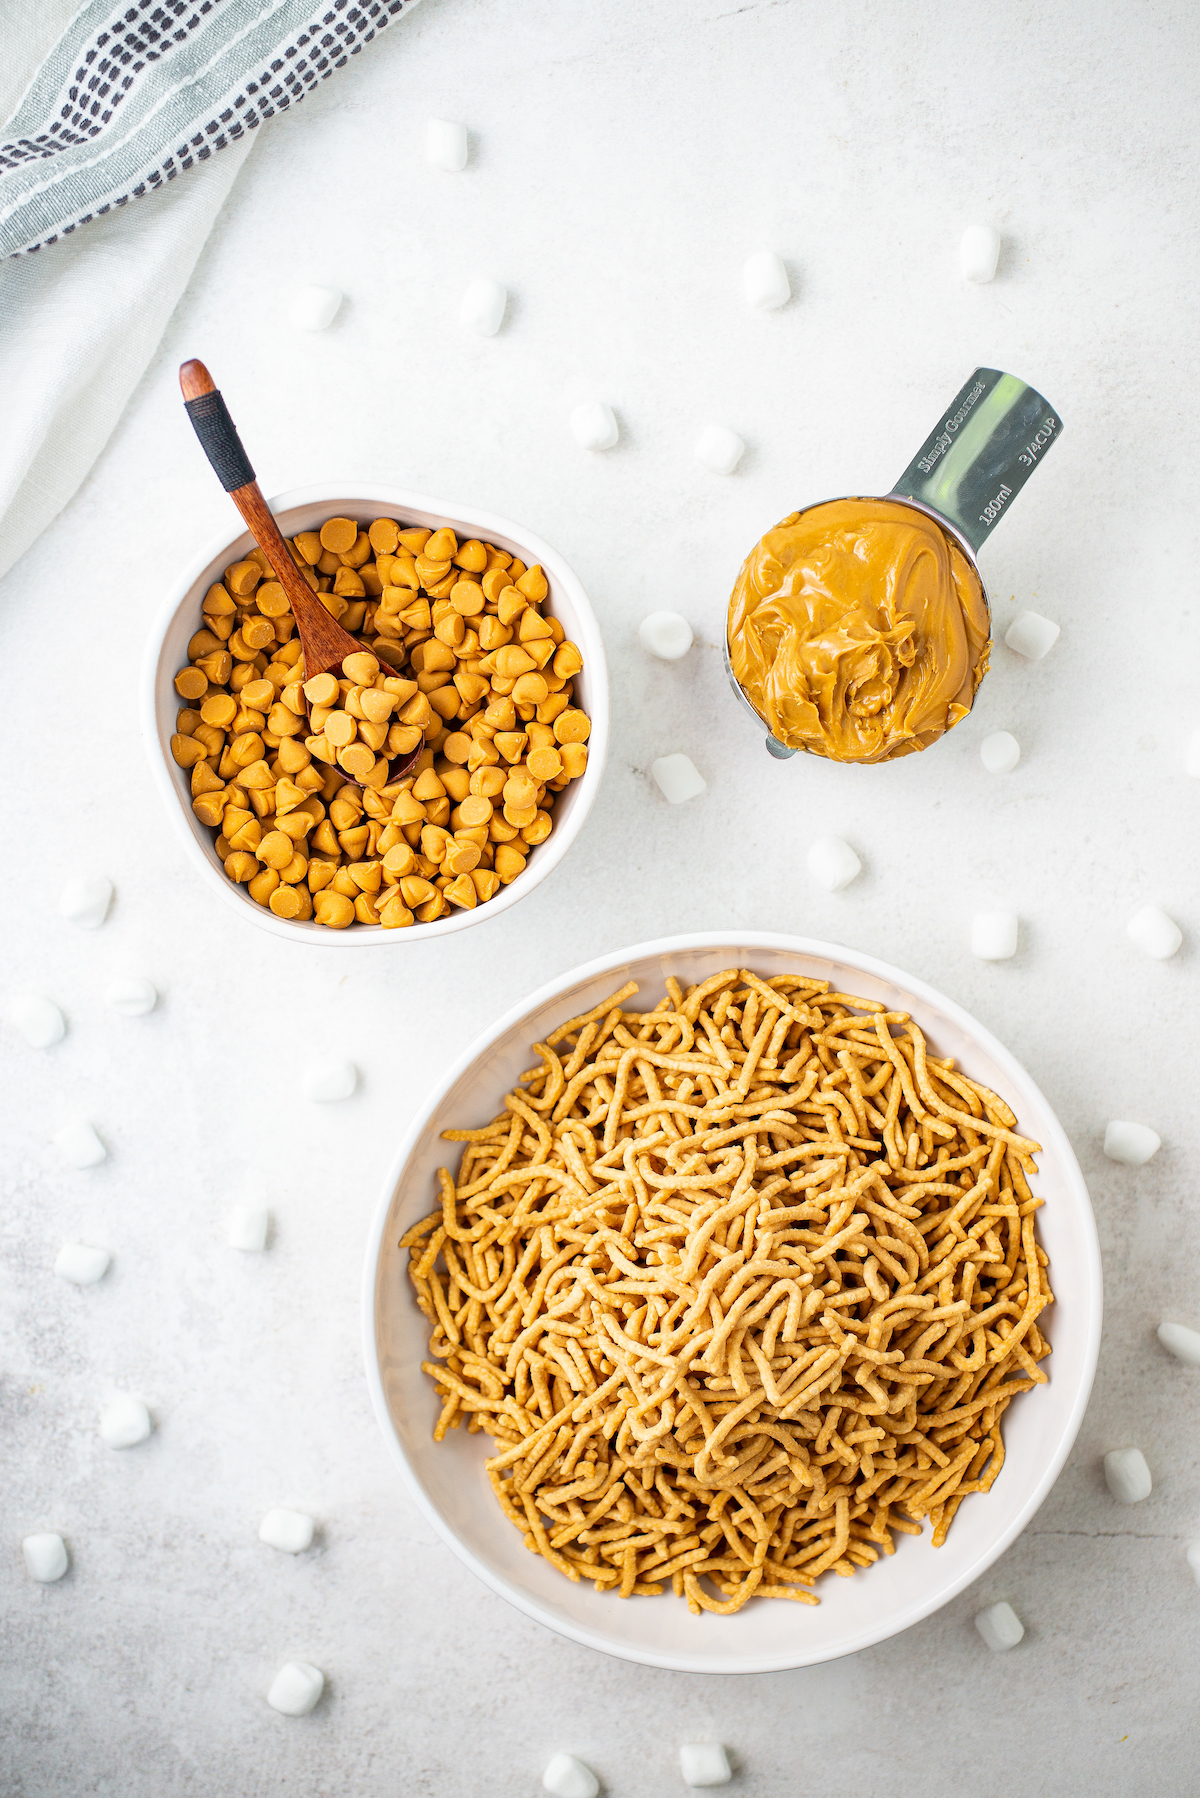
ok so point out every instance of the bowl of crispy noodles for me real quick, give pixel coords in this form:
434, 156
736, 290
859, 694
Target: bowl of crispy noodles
733, 1303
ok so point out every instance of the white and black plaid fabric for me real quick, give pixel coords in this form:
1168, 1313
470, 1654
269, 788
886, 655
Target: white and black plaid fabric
133, 95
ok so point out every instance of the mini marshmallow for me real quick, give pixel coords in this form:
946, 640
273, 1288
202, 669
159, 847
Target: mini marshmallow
979, 252
1193, 1561
1000, 752
133, 998
1155, 933
766, 281
39, 1020
833, 864
568, 1778
315, 308
81, 1264
45, 1557
125, 1422
994, 935
1133, 1144
719, 449
1031, 635
1000, 1627
446, 145
86, 901
329, 1080
594, 425
1127, 1474
248, 1226
666, 635
704, 1764
79, 1144
292, 1531
1193, 755
482, 307
296, 1689
1181, 1342
677, 778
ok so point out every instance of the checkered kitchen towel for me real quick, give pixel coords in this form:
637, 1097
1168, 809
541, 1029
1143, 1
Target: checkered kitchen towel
129, 97
134, 94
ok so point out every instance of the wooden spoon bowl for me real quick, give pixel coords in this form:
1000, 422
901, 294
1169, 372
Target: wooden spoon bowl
323, 642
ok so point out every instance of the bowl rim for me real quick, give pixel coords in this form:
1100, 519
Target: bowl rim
1092, 1282
549, 854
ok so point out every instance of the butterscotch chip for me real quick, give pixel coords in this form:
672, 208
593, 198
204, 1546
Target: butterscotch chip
334, 910
509, 863
474, 810
187, 751
394, 914
291, 902
572, 726
544, 764
276, 849
512, 660
338, 535
467, 597
530, 689
258, 693
362, 668
532, 627
441, 545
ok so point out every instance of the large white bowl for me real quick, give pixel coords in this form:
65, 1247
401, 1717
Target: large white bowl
302, 510
448, 1481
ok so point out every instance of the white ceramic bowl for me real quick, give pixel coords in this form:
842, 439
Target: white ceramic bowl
448, 1481
301, 510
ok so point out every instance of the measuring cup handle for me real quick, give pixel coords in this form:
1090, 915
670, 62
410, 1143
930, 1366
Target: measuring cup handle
981, 452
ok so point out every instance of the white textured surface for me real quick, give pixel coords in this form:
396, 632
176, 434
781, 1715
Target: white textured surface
628, 156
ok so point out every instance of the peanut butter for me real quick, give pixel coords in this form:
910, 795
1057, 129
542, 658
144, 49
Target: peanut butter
859, 630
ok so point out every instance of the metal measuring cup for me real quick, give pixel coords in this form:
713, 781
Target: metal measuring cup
965, 475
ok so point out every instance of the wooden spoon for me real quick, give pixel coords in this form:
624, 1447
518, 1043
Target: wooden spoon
323, 641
